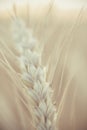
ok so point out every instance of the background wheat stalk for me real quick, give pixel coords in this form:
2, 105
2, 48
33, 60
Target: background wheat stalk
43, 109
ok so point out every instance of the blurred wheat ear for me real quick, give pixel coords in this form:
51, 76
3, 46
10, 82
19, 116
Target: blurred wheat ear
43, 110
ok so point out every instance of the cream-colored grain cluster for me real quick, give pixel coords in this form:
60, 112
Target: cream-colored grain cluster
34, 76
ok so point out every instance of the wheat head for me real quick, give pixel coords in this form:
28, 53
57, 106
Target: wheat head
44, 114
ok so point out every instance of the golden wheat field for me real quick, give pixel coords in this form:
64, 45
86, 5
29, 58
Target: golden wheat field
62, 36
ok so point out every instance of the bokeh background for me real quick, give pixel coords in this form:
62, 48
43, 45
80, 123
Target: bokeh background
61, 28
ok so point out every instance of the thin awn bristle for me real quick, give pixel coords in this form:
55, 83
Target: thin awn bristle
43, 110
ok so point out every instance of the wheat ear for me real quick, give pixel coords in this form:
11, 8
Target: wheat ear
34, 76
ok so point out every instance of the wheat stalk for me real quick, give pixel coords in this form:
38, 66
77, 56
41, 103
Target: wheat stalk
34, 76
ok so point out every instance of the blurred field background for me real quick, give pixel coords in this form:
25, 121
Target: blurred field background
62, 31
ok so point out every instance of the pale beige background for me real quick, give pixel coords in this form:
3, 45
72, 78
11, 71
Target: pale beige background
63, 32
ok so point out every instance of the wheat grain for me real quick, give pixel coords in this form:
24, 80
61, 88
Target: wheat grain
43, 110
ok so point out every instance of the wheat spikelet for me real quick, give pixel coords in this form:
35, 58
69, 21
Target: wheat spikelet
34, 76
